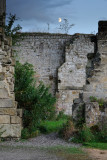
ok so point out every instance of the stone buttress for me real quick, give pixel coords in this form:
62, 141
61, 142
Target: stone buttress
10, 116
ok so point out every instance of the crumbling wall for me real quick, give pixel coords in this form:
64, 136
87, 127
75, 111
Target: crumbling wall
10, 121
59, 61
46, 52
96, 86
72, 74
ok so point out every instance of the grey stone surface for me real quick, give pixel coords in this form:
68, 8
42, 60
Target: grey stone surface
7, 97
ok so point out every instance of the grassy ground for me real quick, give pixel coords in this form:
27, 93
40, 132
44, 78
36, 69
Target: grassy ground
69, 153
51, 126
102, 146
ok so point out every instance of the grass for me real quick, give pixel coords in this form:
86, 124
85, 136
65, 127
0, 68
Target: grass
68, 153
51, 126
69, 150
102, 146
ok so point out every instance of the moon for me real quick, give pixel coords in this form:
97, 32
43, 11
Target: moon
60, 20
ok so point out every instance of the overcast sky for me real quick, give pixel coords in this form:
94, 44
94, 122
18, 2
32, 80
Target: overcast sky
35, 15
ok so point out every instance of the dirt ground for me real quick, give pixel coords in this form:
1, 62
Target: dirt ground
97, 154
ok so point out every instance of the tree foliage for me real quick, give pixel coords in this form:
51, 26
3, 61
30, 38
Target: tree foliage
10, 29
37, 102
65, 26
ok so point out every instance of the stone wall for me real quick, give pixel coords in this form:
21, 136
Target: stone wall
10, 121
69, 64
96, 86
72, 74
46, 52
59, 61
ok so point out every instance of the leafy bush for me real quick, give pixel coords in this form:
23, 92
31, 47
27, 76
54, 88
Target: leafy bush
68, 130
25, 133
36, 101
93, 134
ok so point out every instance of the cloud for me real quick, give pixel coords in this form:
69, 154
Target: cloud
38, 10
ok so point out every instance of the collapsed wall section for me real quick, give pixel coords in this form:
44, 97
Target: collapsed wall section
97, 86
72, 74
93, 100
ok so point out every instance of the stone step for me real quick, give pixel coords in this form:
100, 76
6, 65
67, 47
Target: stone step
7, 103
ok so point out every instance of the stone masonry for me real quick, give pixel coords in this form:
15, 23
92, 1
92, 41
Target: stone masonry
74, 66
59, 61
46, 52
72, 74
10, 116
96, 82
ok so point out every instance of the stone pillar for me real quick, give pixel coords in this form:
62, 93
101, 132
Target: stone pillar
10, 122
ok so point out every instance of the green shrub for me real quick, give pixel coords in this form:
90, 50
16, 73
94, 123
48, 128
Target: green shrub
51, 126
93, 134
68, 130
93, 99
36, 102
80, 117
100, 101
25, 133
61, 115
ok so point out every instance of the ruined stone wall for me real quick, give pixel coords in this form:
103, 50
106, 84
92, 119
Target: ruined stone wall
72, 74
59, 61
46, 52
97, 86
10, 121
94, 94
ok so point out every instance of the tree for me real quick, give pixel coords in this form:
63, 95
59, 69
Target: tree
10, 30
37, 102
65, 26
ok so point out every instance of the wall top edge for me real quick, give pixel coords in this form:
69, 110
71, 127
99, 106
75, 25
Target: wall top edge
51, 34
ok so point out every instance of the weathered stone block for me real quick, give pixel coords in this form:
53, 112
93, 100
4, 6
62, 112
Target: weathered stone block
4, 119
2, 84
92, 113
4, 93
8, 111
7, 103
65, 100
10, 130
15, 120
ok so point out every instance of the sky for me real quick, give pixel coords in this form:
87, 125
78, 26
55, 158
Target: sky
43, 15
